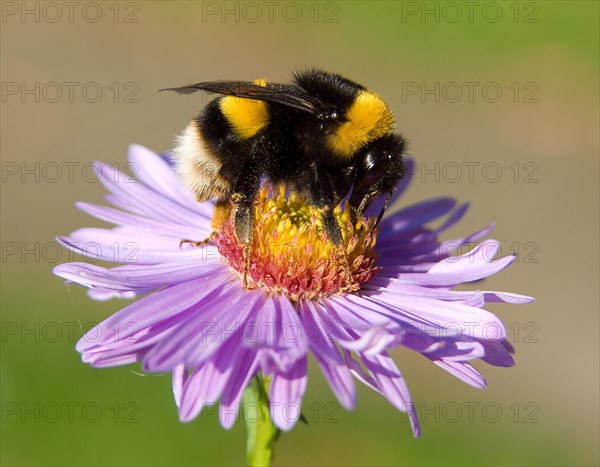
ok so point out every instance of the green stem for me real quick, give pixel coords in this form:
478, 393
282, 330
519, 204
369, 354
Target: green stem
262, 433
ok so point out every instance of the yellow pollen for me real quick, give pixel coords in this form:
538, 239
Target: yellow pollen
291, 254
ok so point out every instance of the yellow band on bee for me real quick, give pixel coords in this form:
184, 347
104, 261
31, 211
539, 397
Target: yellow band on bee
246, 116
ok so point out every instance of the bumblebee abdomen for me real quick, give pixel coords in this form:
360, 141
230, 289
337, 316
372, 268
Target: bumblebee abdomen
224, 140
198, 164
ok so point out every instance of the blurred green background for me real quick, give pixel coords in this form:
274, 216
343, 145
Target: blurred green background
541, 131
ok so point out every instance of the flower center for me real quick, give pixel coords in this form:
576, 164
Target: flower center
291, 254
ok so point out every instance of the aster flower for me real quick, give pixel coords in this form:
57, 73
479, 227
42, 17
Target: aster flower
197, 321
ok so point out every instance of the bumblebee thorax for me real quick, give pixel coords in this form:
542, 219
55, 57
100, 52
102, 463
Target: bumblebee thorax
247, 117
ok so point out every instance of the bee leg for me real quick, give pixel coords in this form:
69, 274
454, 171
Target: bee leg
332, 227
357, 212
334, 233
383, 209
245, 190
323, 196
207, 240
246, 254
221, 213
244, 228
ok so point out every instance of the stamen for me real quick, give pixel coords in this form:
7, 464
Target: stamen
290, 253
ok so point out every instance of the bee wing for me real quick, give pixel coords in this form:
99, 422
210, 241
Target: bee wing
284, 94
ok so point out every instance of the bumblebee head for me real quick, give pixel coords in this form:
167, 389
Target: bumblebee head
379, 168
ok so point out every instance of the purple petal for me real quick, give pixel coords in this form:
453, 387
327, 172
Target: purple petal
506, 297
382, 284
370, 339
135, 278
455, 318
156, 226
285, 395
154, 172
328, 356
149, 310
246, 367
460, 351
124, 358
463, 371
340, 381
136, 346
205, 385
453, 218
202, 388
497, 354
258, 331
473, 266
130, 246
322, 332
414, 217
275, 328
138, 198
344, 310
391, 384
180, 376
290, 341
217, 318
422, 255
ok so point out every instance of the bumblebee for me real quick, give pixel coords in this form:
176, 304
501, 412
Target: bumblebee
322, 135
